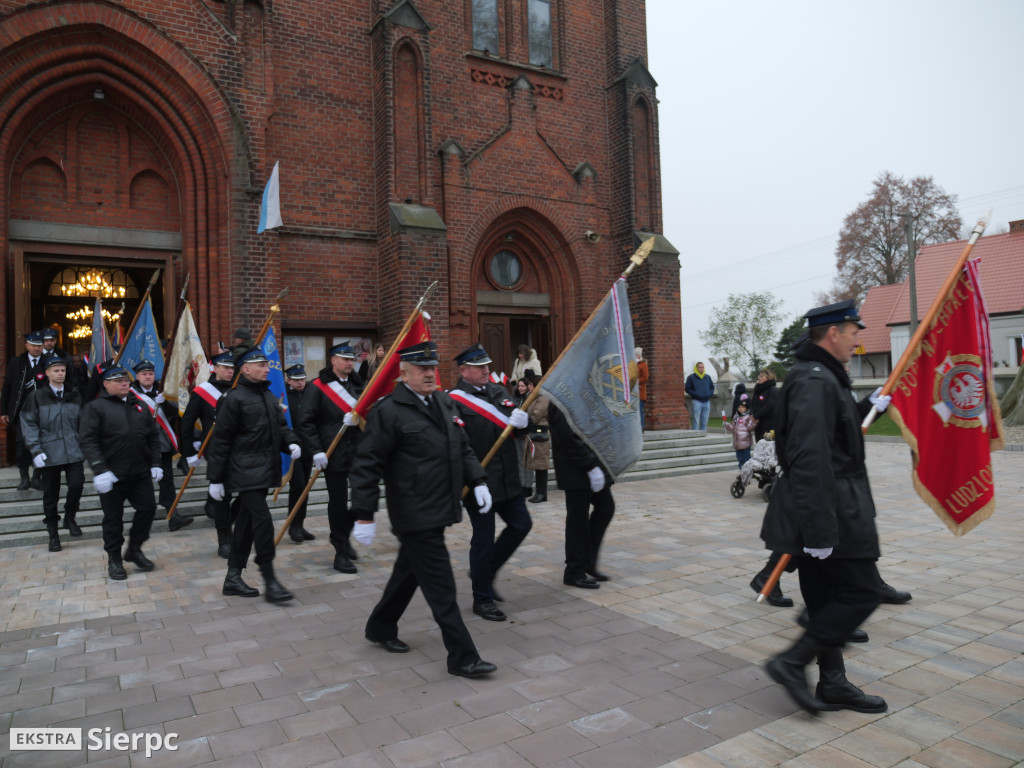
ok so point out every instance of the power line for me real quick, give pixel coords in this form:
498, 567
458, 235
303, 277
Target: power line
769, 288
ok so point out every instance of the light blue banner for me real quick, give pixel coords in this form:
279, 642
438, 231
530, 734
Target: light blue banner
144, 343
277, 386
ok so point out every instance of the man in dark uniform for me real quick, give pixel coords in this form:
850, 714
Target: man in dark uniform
414, 440
821, 511
49, 426
24, 374
50, 344
147, 389
586, 483
295, 381
202, 408
244, 457
486, 409
119, 440
325, 408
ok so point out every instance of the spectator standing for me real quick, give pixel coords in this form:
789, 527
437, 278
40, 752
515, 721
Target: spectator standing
538, 448
762, 404
701, 389
370, 365
742, 429
519, 394
643, 374
526, 360
740, 393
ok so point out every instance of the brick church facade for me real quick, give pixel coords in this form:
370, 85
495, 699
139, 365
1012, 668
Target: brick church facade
506, 148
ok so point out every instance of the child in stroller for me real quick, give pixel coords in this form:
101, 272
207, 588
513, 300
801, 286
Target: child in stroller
762, 465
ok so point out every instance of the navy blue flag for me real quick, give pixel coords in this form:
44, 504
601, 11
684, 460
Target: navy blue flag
144, 343
277, 386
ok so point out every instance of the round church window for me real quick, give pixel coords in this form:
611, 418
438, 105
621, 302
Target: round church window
506, 269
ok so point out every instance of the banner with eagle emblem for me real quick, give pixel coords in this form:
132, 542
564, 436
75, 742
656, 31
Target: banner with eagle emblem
945, 404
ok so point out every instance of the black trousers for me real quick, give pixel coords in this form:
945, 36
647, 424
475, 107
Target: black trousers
223, 512
840, 595
74, 474
584, 530
253, 525
167, 490
423, 562
137, 490
339, 516
486, 555
301, 470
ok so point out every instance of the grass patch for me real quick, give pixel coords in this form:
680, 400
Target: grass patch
883, 425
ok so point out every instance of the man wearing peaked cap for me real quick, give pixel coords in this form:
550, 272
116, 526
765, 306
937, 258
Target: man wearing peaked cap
295, 383
821, 511
148, 390
25, 373
326, 407
202, 408
486, 409
415, 441
50, 343
244, 457
119, 439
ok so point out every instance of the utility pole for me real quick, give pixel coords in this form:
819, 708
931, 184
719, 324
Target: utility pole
908, 230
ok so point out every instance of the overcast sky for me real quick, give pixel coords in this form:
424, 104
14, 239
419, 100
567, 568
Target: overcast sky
775, 118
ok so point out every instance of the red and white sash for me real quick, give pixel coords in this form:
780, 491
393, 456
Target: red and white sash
208, 392
337, 394
158, 413
479, 406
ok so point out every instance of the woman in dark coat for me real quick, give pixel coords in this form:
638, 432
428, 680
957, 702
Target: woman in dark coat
762, 403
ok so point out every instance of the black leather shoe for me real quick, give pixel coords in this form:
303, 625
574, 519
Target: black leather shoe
391, 646
473, 669
37, 481
583, 582
343, 564
224, 550
489, 611
349, 552
71, 525
787, 669
538, 498
54, 540
115, 569
134, 555
596, 575
178, 521
894, 596
25, 483
843, 694
233, 585
307, 536
295, 534
775, 597
275, 592
857, 636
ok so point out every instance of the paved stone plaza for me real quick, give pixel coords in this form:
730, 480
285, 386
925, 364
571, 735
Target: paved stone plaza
662, 666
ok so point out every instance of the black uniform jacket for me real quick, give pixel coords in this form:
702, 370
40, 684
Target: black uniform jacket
169, 410
424, 465
321, 420
50, 426
823, 498
245, 451
573, 457
198, 410
296, 400
20, 382
118, 436
503, 469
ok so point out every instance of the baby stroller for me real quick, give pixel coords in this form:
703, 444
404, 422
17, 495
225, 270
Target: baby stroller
762, 465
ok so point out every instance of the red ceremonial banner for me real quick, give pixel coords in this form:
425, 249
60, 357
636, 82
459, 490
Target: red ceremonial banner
946, 407
384, 381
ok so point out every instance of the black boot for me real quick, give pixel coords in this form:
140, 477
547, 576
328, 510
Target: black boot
342, 561
134, 555
115, 568
37, 480
775, 597
787, 669
542, 487
295, 533
71, 525
223, 544
54, 538
178, 521
350, 553
25, 483
836, 692
233, 584
275, 592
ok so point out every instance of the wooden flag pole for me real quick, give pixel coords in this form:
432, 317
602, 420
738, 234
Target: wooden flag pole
274, 309
368, 388
135, 320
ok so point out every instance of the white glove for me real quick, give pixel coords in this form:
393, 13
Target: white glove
104, 482
426, 315
294, 449
518, 419
483, 499
349, 419
194, 460
196, 445
159, 398
821, 554
40, 461
157, 473
217, 491
364, 532
320, 461
596, 478
880, 401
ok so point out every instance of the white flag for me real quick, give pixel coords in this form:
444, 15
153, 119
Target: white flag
270, 208
188, 366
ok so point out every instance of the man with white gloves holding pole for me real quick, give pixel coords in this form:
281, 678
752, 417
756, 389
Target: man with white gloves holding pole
415, 440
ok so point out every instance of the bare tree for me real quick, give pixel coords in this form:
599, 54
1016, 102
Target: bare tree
872, 247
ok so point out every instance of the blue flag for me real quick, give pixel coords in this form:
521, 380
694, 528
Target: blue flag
100, 348
594, 384
270, 207
277, 386
144, 343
